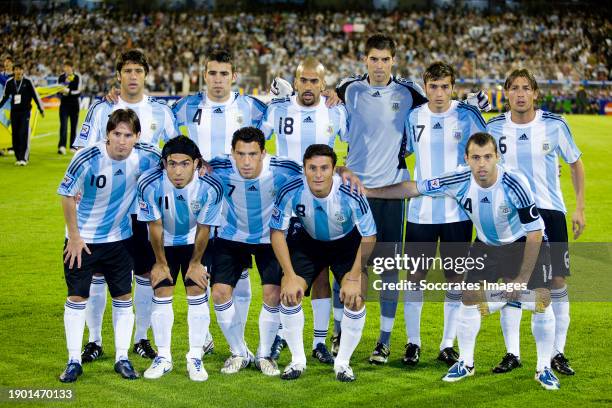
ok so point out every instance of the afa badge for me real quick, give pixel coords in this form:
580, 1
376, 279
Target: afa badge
195, 206
340, 217
67, 182
395, 106
144, 207
457, 134
433, 184
84, 131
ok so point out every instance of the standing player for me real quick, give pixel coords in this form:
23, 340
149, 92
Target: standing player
378, 105
99, 225
298, 122
333, 223
531, 141
438, 132
509, 228
157, 124
21, 91
211, 118
69, 106
180, 208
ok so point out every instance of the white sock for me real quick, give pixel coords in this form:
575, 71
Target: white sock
143, 300
468, 327
94, 312
279, 333
495, 300
543, 329
560, 306
338, 312
269, 320
321, 309
413, 306
352, 328
231, 328
242, 298
123, 322
74, 326
452, 303
510, 320
162, 319
292, 318
198, 321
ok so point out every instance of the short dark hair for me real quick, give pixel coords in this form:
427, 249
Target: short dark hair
248, 135
135, 57
68, 62
220, 55
17, 64
380, 42
8, 57
439, 70
182, 145
480, 139
320, 150
521, 73
123, 115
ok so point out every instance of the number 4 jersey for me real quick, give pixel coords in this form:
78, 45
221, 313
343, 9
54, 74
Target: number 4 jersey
108, 190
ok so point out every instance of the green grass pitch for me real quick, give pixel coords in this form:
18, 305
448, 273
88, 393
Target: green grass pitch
32, 294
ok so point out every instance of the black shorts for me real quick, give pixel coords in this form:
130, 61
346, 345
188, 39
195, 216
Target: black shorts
556, 232
140, 247
230, 258
178, 258
389, 219
112, 259
504, 262
422, 241
310, 256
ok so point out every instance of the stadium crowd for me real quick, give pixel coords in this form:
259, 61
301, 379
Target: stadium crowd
571, 47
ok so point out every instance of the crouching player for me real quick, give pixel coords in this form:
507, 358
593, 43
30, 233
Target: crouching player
179, 207
333, 223
509, 228
98, 232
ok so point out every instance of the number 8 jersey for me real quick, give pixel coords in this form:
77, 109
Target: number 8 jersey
108, 190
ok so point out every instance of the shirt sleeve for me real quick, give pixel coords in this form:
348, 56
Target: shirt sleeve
521, 197
448, 184
74, 177
148, 206
267, 123
362, 216
170, 128
90, 130
211, 201
281, 212
567, 147
343, 123
258, 110
179, 110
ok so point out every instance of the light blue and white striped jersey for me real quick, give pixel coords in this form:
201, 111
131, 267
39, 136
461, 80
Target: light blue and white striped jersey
533, 148
501, 213
438, 141
377, 136
325, 219
156, 121
248, 203
180, 209
108, 190
211, 125
296, 127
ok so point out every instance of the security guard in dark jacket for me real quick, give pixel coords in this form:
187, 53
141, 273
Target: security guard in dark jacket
69, 106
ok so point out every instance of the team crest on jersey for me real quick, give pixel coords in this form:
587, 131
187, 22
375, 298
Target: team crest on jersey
276, 214
195, 206
457, 134
153, 126
433, 184
546, 146
395, 106
330, 130
84, 131
504, 210
67, 182
144, 207
340, 217
239, 119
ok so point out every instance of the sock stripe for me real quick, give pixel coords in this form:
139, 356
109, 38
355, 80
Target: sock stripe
224, 306
270, 309
292, 310
98, 281
558, 295
122, 303
142, 281
353, 315
320, 333
244, 275
161, 301
195, 301
453, 296
76, 306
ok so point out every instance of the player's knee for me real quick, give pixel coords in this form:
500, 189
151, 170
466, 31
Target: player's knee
98, 274
471, 298
221, 293
271, 295
558, 282
194, 290
78, 299
146, 275
164, 291
126, 296
320, 287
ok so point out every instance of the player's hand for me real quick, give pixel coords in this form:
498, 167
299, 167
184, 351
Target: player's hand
113, 95
159, 273
279, 88
578, 223
205, 169
350, 178
512, 295
479, 100
74, 250
292, 291
350, 292
198, 274
332, 98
